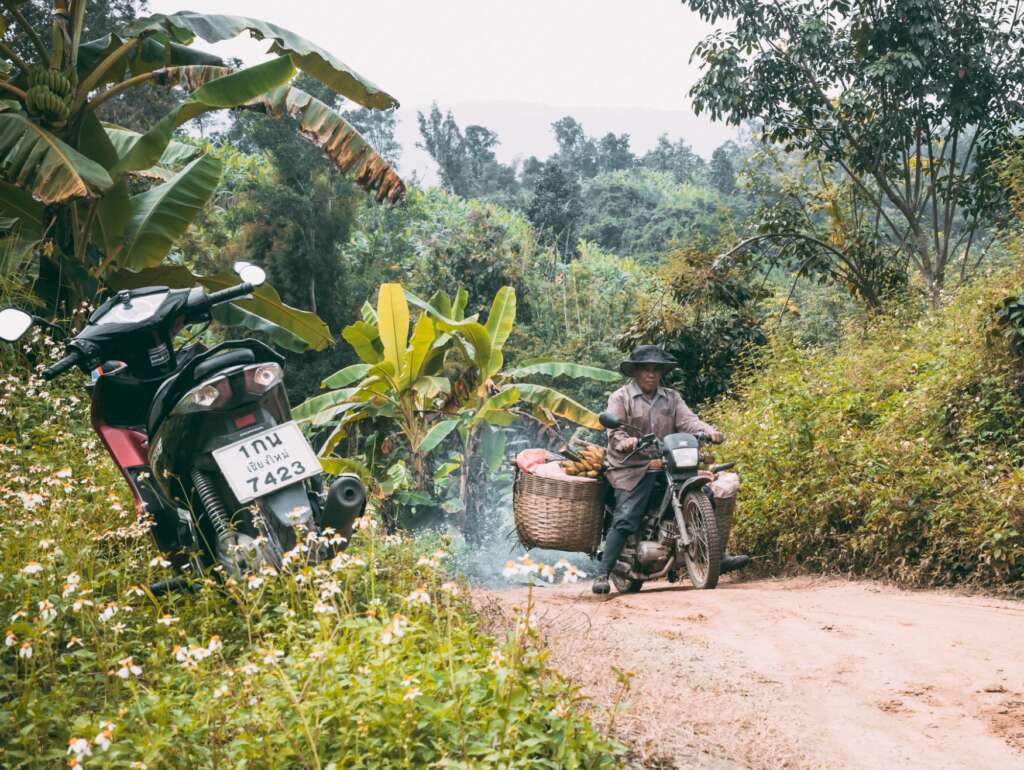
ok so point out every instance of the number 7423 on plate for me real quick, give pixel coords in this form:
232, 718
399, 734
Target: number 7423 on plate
267, 461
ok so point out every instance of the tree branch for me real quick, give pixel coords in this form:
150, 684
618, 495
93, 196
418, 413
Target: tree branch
19, 17
7, 51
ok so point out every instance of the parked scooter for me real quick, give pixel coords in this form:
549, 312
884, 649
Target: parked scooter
204, 437
680, 528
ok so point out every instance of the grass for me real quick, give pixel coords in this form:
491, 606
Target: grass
374, 660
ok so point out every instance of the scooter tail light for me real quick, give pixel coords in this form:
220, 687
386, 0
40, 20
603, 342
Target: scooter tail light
207, 395
262, 377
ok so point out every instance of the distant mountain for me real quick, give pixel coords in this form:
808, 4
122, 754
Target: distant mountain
525, 129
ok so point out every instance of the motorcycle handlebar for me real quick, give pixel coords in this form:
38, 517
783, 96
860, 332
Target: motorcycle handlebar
226, 295
69, 361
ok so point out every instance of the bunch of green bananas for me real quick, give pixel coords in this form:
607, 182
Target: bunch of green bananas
49, 95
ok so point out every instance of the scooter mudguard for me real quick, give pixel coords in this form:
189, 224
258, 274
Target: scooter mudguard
289, 506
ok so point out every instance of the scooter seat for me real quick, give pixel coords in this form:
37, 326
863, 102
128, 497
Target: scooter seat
215, 364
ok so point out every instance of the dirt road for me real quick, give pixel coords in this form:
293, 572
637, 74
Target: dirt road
799, 673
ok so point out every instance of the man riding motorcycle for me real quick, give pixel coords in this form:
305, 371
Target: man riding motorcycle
646, 405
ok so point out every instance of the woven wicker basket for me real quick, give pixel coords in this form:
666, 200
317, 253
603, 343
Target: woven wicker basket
559, 515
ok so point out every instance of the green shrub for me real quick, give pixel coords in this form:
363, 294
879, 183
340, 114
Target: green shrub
898, 454
374, 660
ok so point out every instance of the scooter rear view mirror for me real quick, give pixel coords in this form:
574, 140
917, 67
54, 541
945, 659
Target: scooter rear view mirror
609, 420
14, 323
250, 273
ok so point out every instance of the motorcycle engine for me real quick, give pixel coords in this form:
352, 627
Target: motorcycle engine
651, 555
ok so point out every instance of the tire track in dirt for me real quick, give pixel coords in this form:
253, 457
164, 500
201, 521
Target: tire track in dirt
797, 673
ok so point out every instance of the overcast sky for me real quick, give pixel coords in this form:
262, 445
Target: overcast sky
627, 58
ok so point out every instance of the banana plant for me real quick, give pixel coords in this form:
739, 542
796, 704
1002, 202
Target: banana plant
441, 376
64, 174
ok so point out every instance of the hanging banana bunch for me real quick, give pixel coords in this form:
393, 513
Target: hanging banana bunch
50, 91
49, 96
590, 463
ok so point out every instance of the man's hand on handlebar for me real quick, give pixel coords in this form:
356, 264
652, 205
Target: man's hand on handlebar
628, 444
715, 437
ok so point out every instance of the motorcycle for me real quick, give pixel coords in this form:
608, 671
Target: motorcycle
203, 437
682, 529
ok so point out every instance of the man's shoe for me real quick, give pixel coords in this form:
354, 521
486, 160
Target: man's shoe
732, 563
600, 585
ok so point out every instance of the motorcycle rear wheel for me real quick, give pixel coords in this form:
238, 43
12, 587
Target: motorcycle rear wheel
625, 585
703, 557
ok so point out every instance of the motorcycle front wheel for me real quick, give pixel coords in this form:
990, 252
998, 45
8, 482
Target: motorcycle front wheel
703, 557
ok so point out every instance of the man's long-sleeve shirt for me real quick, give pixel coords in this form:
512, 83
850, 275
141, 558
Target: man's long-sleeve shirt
662, 413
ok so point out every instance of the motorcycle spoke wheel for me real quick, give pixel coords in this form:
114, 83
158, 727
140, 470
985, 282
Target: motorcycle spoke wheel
703, 557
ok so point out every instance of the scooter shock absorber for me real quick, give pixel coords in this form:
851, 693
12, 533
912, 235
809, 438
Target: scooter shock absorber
214, 509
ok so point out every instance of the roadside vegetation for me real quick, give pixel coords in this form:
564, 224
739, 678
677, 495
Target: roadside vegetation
896, 455
373, 660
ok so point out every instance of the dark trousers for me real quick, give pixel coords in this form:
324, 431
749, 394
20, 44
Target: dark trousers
630, 507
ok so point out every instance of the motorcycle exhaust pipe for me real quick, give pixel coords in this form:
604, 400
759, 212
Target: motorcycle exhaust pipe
346, 501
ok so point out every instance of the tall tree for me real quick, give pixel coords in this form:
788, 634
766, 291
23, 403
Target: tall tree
910, 100
577, 152
721, 173
442, 140
555, 208
466, 161
676, 158
613, 153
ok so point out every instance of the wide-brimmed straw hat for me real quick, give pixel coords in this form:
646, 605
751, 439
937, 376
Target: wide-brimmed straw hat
647, 354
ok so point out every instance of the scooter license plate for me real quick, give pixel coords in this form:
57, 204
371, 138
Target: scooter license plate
267, 461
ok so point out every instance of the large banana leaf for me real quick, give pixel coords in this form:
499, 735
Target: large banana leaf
469, 329
424, 334
363, 338
499, 325
175, 154
346, 376
184, 26
113, 209
213, 88
231, 314
393, 323
163, 213
437, 433
313, 407
339, 140
301, 329
494, 408
37, 161
151, 53
557, 403
18, 205
502, 316
564, 369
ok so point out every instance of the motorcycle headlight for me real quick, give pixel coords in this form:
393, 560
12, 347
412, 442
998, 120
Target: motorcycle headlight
262, 377
686, 457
